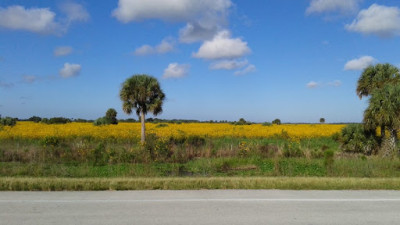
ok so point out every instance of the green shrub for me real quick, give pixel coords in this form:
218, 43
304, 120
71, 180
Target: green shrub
195, 141
56, 120
276, 121
101, 121
267, 124
292, 150
8, 121
354, 138
50, 141
109, 118
158, 148
35, 119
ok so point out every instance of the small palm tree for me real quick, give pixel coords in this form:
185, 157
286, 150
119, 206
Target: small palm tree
143, 93
373, 78
384, 110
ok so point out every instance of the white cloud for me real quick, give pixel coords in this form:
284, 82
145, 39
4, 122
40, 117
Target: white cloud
75, 12
70, 70
175, 10
194, 32
204, 18
382, 21
228, 64
222, 46
39, 20
250, 68
360, 63
29, 78
164, 47
342, 6
62, 51
312, 84
175, 70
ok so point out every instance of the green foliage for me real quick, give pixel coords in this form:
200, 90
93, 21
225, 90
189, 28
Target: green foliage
101, 121
111, 116
55, 120
354, 138
99, 155
8, 121
291, 150
329, 159
158, 148
143, 93
35, 119
276, 121
267, 124
322, 120
50, 141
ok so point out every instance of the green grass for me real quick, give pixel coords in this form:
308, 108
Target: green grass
212, 167
284, 183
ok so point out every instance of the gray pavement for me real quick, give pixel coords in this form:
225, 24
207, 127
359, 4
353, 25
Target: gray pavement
201, 207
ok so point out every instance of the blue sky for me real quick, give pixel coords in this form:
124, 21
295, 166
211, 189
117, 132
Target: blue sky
215, 59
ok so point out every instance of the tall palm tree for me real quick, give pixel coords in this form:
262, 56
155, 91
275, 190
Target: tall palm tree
143, 93
373, 78
384, 110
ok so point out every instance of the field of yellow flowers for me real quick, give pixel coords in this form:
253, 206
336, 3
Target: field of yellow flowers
31, 130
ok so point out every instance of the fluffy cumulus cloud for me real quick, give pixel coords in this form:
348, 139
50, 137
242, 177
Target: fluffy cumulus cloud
379, 20
70, 70
175, 70
222, 46
62, 51
164, 47
41, 20
203, 18
342, 6
359, 63
249, 69
176, 10
228, 64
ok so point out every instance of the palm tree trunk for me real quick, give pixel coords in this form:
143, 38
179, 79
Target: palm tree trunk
142, 119
393, 139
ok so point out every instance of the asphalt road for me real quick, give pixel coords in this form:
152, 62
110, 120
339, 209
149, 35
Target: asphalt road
201, 207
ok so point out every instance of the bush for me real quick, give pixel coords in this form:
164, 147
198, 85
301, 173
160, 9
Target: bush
276, 121
35, 119
110, 118
8, 121
267, 124
101, 121
158, 148
56, 120
354, 138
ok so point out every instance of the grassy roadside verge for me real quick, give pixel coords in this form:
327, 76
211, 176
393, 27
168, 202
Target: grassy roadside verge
284, 183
